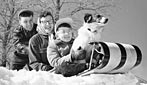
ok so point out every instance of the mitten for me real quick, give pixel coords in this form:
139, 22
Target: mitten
70, 69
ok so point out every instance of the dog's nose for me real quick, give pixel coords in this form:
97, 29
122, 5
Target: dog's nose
89, 29
95, 31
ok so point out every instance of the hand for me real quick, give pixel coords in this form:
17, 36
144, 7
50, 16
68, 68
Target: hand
78, 54
70, 69
25, 49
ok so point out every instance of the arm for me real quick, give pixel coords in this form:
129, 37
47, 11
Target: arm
34, 57
19, 40
54, 57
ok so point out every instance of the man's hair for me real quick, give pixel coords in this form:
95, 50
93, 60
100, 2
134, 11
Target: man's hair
45, 13
26, 13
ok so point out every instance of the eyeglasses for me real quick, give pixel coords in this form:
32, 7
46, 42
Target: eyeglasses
45, 22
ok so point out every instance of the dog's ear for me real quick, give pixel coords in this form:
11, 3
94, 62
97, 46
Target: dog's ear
106, 20
88, 18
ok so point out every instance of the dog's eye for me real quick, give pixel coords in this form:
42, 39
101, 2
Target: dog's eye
95, 31
89, 29
80, 48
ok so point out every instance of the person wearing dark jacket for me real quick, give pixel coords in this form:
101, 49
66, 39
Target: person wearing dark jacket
39, 42
22, 35
59, 52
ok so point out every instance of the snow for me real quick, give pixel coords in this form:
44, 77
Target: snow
23, 77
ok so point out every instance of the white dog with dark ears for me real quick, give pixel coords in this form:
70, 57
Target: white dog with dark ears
89, 32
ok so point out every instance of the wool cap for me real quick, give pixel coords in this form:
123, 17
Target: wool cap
66, 20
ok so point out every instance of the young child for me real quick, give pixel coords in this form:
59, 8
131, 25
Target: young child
22, 35
59, 52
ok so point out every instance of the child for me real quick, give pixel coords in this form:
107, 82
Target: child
58, 52
22, 35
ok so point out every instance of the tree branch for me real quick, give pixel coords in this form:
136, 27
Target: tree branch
81, 8
53, 3
1, 24
62, 3
69, 2
4, 18
1, 38
90, 8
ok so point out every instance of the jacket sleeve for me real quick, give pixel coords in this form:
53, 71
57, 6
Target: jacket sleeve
54, 57
34, 58
18, 39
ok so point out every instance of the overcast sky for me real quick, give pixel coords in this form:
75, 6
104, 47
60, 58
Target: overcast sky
129, 25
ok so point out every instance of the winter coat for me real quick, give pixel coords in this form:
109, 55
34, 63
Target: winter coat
20, 40
59, 52
38, 52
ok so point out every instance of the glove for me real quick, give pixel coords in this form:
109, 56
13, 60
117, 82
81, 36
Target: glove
78, 54
24, 49
70, 69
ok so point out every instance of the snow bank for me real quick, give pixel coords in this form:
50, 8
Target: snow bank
23, 77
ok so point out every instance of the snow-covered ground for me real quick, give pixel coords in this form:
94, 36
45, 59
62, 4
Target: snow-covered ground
23, 77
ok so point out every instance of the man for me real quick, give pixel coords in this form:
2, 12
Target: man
22, 35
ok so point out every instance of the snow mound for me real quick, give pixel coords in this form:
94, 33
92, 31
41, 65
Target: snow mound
23, 77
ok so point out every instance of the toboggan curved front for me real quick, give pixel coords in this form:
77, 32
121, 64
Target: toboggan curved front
118, 57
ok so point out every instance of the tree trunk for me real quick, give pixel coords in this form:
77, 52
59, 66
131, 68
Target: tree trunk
4, 49
4, 55
57, 10
3, 60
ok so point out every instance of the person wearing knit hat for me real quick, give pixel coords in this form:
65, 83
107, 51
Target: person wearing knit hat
68, 21
59, 52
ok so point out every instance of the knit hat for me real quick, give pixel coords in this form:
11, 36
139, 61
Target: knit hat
63, 20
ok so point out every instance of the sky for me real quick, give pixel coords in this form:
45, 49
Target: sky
129, 25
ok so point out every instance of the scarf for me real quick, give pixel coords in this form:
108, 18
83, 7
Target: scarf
42, 30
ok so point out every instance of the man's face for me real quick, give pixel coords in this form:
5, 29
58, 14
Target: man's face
26, 22
47, 23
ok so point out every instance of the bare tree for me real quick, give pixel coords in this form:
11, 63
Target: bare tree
76, 8
62, 8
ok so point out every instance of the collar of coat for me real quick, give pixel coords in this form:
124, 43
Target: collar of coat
58, 41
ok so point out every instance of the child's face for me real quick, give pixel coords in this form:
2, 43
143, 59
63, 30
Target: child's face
47, 23
64, 34
26, 22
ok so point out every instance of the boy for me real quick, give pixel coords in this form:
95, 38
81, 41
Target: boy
39, 42
22, 35
58, 52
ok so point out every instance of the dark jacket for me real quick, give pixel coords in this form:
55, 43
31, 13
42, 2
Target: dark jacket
20, 41
59, 52
38, 52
